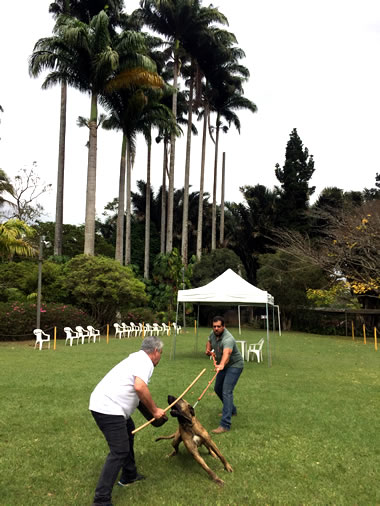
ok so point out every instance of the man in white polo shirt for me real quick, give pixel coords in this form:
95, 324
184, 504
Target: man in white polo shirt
112, 403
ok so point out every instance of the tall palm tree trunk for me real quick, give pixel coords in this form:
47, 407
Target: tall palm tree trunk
169, 228
58, 235
185, 214
89, 229
201, 187
121, 205
128, 208
147, 213
213, 222
221, 238
163, 198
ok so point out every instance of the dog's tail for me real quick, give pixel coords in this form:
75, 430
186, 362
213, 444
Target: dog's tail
165, 437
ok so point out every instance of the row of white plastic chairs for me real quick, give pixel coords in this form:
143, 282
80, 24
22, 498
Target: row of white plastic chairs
144, 329
80, 333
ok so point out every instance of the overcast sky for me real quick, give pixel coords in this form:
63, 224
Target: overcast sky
314, 64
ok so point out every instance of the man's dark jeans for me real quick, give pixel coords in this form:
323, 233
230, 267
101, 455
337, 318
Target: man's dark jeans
225, 382
118, 433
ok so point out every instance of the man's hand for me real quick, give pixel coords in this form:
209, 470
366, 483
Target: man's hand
219, 367
158, 413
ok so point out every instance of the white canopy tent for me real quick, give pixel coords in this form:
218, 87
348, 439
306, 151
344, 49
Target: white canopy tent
231, 289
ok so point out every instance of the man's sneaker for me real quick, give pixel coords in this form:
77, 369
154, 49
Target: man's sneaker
128, 482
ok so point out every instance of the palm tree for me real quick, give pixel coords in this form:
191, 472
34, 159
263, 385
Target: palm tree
84, 11
225, 95
87, 58
178, 22
5, 187
13, 239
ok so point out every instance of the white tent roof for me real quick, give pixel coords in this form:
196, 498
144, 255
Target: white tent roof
228, 288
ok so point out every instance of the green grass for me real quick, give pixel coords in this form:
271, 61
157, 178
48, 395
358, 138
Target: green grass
306, 431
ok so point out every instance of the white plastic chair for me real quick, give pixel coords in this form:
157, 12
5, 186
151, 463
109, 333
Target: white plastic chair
165, 329
156, 329
126, 330
177, 328
82, 333
256, 349
94, 333
119, 331
41, 338
148, 329
135, 328
71, 335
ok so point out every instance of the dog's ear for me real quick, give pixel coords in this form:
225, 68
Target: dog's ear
192, 411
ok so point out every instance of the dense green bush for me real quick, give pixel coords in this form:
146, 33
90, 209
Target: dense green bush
18, 319
102, 286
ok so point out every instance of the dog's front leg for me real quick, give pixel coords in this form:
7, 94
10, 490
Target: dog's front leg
193, 449
209, 443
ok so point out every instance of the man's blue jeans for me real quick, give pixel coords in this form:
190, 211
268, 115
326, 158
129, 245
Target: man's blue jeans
224, 387
118, 433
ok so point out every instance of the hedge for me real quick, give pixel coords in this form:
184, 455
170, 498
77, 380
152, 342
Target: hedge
18, 319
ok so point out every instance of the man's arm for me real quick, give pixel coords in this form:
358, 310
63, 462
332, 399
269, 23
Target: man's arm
145, 397
225, 359
208, 348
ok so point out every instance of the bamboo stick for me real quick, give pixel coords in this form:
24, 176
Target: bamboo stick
172, 404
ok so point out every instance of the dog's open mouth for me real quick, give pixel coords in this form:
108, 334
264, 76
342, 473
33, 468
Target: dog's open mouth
174, 411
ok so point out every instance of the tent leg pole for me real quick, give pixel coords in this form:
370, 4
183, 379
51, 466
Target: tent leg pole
196, 337
268, 343
239, 320
174, 334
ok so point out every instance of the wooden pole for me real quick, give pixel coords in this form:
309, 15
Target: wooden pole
364, 336
172, 404
375, 336
55, 338
352, 330
195, 327
108, 332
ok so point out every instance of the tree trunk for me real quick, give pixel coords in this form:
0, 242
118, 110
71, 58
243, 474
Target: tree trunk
213, 223
169, 229
201, 185
121, 205
163, 198
147, 214
89, 229
185, 214
221, 240
128, 209
61, 174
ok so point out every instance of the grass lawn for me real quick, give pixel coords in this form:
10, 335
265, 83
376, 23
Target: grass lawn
306, 430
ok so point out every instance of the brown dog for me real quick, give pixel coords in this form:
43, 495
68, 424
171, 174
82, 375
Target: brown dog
193, 435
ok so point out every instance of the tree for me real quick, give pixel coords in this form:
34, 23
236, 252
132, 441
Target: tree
14, 239
88, 58
180, 22
288, 278
249, 226
295, 190
348, 250
27, 189
213, 264
102, 286
83, 10
6, 190
373, 193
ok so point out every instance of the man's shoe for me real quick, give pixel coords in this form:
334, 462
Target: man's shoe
128, 482
219, 430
